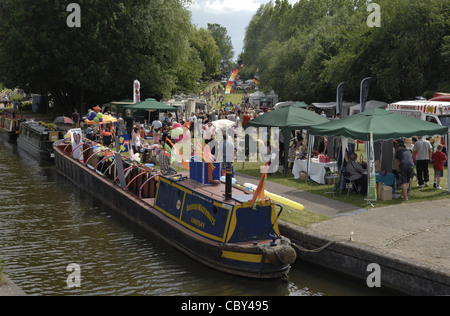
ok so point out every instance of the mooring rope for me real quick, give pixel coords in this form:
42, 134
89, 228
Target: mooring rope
312, 250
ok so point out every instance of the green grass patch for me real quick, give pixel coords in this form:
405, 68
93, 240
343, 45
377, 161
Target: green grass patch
302, 218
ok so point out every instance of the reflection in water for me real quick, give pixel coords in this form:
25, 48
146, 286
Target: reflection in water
47, 224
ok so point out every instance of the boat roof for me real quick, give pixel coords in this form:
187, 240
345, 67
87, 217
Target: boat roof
33, 125
215, 192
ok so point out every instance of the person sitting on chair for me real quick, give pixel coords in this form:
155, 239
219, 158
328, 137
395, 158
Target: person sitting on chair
355, 172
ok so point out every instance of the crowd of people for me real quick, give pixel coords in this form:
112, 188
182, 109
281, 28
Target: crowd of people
412, 158
156, 132
409, 153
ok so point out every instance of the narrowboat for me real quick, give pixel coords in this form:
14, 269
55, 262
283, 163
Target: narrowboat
37, 139
214, 224
9, 125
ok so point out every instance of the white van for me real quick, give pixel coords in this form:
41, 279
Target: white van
432, 111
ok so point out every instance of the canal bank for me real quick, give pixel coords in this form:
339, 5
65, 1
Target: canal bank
409, 242
8, 288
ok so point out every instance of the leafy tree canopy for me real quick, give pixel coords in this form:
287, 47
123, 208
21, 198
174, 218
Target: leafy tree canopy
303, 51
118, 42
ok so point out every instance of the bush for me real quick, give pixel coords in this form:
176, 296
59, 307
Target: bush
27, 106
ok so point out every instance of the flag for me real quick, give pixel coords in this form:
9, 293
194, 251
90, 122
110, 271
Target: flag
259, 192
364, 93
136, 91
256, 79
339, 98
124, 143
230, 81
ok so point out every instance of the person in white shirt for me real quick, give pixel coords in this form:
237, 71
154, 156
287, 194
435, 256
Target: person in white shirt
156, 124
422, 148
226, 151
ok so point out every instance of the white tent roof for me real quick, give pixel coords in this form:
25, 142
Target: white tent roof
256, 95
369, 105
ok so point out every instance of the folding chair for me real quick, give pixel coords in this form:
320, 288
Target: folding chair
350, 184
330, 179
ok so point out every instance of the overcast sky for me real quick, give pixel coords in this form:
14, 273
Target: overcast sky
234, 15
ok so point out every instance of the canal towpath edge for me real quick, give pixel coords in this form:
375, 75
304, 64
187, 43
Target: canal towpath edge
410, 239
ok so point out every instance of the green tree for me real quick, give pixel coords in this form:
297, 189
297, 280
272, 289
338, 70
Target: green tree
304, 51
118, 42
208, 50
223, 41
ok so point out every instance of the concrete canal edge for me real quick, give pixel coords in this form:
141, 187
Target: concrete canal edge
8, 288
398, 273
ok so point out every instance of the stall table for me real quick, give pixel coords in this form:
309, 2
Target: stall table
317, 170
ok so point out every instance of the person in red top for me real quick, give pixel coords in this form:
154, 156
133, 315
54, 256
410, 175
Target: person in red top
107, 137
245, 119
438, 158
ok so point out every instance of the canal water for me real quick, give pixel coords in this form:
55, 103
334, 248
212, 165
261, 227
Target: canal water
47, 224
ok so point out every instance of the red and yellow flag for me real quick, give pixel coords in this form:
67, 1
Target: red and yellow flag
259, 192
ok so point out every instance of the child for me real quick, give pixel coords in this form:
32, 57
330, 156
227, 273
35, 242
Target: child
438, 158
156, 136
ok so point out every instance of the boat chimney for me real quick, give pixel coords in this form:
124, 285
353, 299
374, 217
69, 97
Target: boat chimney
228, 179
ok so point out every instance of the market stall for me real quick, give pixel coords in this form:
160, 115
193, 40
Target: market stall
377, 124
294, 117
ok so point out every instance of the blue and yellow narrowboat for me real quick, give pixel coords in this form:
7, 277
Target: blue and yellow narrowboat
212, 222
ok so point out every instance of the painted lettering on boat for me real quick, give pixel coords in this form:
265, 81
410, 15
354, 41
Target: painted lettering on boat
197, 222
203, 210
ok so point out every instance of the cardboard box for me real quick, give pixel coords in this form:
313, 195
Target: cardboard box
385, 193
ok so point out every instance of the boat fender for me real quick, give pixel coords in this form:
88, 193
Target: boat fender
279, 255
